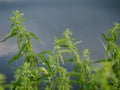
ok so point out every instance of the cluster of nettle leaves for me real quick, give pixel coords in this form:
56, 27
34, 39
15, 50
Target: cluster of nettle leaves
46, 70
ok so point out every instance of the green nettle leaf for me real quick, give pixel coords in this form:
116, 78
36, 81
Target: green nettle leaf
78, 42
35, 37
65, 51
73, 74
42, 58
9, 36
103, 60
46, 52
42, 70
59, 41
21, 50
15, 57
61, 58
105, 47
69, 60
65, 46
105, 37
42, 78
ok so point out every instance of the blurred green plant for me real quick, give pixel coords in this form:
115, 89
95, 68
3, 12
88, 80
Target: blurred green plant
27, 75
2, 81
47, 70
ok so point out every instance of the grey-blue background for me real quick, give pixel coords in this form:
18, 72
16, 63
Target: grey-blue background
87, 19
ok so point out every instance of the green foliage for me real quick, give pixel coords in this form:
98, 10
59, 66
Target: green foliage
46, 70
2, 81
113, 50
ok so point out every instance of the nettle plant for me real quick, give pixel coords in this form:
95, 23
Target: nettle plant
46, 70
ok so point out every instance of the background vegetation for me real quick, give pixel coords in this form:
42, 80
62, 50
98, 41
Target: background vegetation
46, 70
